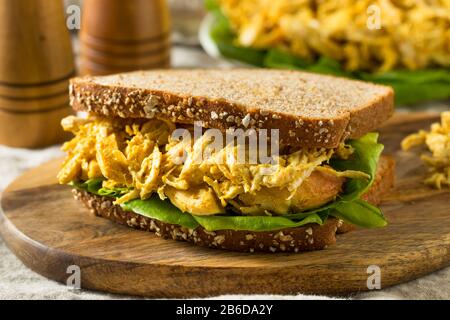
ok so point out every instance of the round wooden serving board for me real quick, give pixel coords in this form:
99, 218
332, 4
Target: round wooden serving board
49, 231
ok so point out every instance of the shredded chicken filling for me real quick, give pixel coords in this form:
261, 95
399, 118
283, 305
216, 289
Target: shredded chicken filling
141, 155
363, 35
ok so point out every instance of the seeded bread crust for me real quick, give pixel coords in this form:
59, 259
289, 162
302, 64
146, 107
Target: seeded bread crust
309, 110
306, 238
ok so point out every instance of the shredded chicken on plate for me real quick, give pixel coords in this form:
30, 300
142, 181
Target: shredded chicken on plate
364, 35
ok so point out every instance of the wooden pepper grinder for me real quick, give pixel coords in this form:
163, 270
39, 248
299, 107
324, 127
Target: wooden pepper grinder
36, 62
118, 36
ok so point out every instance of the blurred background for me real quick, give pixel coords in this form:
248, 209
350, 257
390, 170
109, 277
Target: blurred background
187, 16
401, 43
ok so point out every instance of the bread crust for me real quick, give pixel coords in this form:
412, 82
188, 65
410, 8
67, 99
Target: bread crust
335, 124
306, 238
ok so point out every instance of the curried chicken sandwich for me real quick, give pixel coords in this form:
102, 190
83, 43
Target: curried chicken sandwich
243, 159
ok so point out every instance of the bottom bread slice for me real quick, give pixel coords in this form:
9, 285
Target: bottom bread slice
306, 238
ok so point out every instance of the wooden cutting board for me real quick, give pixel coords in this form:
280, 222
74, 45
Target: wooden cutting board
49, 232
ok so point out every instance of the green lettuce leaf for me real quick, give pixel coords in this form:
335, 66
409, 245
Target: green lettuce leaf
211, 5
94, 186
254, 223
113, 193
91, 186
164, 211
367, 152
413, 77
411, 87
359, 213
411, 93
280, 59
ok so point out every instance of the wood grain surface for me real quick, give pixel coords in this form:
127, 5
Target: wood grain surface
124, 48
35, 46
50, 231
88, 67
45, 90
36, 62
33, 129
127, 21
119, 36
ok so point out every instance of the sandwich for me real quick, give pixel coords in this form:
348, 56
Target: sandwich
153, 154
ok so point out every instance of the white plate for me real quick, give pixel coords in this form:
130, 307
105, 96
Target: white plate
210, 46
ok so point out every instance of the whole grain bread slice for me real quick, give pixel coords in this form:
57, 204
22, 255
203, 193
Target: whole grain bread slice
310, 110
306, 238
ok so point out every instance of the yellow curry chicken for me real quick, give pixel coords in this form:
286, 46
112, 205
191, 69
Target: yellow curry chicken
437, 141
363, 35
142, 156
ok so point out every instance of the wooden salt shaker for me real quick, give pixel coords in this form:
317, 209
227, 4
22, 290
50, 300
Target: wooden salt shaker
36, 62
118, 36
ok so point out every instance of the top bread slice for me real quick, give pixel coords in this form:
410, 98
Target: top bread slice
309, 110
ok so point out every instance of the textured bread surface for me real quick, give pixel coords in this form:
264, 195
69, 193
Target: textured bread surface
310, 110
306, 238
